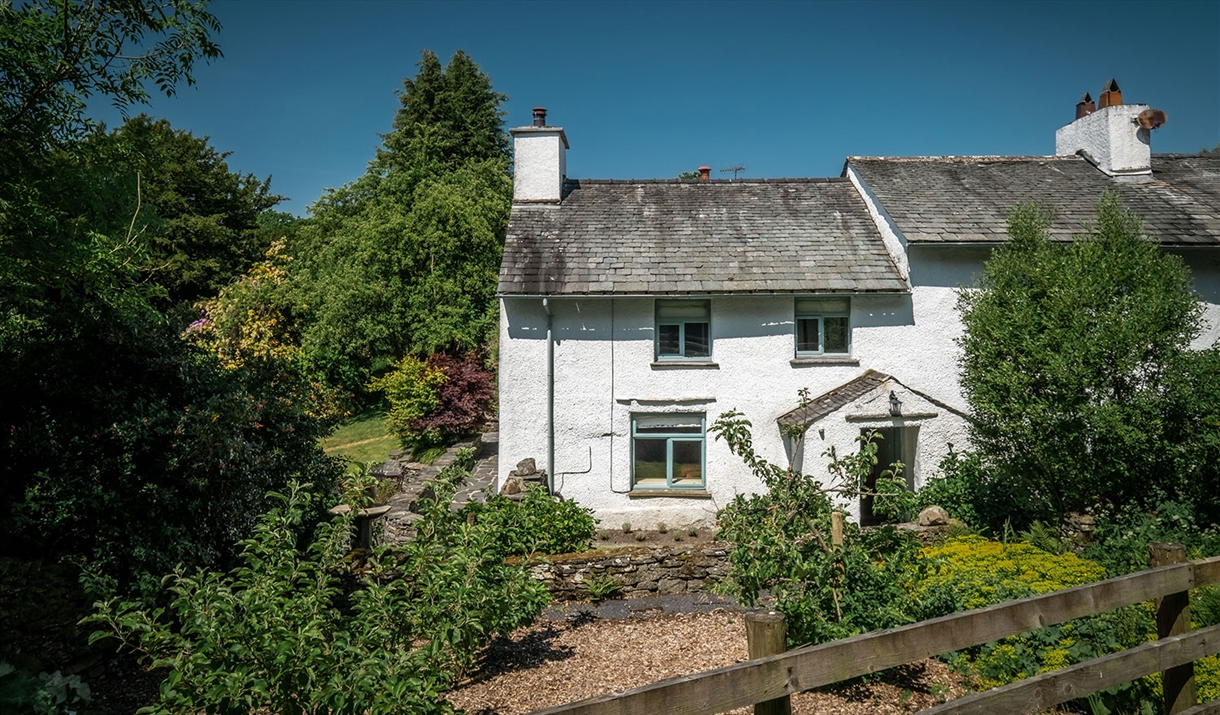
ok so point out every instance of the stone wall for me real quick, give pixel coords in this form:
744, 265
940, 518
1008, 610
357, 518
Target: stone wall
638, 571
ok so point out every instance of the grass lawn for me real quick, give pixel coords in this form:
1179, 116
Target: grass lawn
364, 438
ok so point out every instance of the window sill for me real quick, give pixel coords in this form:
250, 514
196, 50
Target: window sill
680, 493
685, 365
824, 360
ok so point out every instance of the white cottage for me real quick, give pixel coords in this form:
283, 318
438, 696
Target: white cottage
633, 313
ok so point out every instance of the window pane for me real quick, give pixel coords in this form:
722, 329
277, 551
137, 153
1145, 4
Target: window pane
807, 335
821, 306
697, 344
836, 334
669, 340
650, 461
680, 311
688, 463
678, 422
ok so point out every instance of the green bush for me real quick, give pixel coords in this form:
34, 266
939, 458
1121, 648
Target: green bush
782, 545
42, 694
957, 487
296, 630
539, 523
1121, 540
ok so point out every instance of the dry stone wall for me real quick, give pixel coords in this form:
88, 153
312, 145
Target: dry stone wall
638, 571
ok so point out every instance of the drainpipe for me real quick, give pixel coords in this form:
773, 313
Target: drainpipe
550, 401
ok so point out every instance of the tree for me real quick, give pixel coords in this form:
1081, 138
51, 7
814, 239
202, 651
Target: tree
1073, 359
53, 55
405, 259
208, 232
121, 443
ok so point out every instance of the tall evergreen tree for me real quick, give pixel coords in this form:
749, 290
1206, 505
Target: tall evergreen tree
404, 260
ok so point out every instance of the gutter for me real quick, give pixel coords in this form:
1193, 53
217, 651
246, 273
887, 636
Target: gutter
710, 294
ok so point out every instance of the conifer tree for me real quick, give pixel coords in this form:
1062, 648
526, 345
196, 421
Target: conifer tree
404, 260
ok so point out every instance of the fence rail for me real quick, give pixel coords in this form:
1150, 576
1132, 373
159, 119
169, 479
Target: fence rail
776, 676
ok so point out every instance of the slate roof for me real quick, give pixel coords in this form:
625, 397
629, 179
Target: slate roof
688, 238
834, 400
966, 199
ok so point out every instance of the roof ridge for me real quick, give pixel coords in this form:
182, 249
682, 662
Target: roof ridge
719, 182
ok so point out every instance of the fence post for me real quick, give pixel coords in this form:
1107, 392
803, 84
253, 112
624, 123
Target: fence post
1172, 619
836, 528
765, 635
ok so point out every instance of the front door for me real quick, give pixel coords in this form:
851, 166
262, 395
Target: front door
894, 444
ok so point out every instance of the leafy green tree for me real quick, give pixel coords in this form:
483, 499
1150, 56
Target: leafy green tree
1073, 359
208, 231
121, 444
405, 259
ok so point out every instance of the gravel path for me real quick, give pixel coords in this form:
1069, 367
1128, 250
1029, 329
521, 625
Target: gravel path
555, 662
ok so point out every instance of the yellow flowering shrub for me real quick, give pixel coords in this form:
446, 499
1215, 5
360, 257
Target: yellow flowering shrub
971, 572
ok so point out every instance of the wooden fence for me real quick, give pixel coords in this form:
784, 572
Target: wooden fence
777, 676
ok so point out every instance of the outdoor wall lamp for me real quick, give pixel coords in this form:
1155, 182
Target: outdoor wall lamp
895, 405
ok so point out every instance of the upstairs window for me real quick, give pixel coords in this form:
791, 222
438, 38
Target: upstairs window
667, 451
822, 326
683, 330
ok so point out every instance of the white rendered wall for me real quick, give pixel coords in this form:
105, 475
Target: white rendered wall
1112, 137
600, 382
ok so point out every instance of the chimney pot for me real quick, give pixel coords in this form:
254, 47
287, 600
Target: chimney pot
540, 116
1111, 95
705, 173
1085, 106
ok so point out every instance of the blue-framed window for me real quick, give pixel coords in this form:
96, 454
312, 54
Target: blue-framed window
668, 451
823, 326
684, 330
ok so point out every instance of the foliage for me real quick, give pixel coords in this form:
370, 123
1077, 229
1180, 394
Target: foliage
404, 261
208, 230
54, 55
435, 400
544, 524
956, 488
42, 694
300, 631
1076, 365
972, 572
122, 444
781, 544
1120, 541
599, 587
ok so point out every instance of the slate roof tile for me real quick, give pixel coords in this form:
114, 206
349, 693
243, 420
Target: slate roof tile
967, 199
671, 237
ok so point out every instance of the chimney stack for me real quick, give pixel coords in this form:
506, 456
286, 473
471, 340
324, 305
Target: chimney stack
1110, 137
1085, 106
1111, 95
539, 161
705, 173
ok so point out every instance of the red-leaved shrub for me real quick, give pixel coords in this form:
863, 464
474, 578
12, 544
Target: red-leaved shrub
463, 398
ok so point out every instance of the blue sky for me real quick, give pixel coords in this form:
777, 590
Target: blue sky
651, 89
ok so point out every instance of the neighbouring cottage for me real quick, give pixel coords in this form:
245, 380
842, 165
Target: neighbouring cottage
633, 313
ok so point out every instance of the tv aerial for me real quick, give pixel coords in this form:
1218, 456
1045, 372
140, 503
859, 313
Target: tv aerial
734, 169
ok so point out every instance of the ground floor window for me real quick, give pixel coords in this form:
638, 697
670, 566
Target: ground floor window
667, 451
894, 444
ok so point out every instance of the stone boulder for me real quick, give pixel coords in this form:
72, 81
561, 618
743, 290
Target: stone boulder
933, 516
